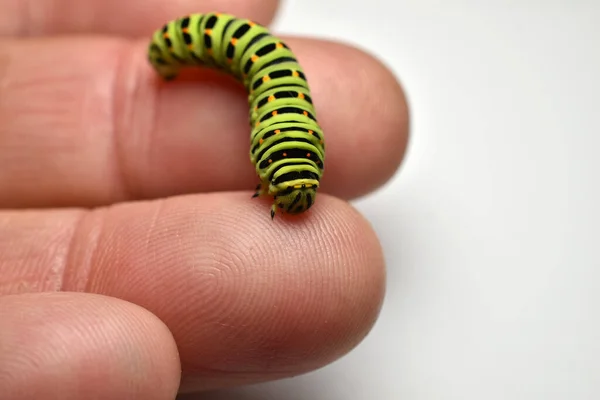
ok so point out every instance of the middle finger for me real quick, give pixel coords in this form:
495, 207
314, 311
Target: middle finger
95, 126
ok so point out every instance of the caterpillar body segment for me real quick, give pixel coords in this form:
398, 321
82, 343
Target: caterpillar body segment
286, 142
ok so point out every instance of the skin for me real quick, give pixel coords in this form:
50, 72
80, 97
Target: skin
133, 264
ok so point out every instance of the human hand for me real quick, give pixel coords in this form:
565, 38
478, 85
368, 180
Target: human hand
127, 259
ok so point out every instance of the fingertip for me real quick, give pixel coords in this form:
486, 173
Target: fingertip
73, 345
386, 141
252, 298
366, 128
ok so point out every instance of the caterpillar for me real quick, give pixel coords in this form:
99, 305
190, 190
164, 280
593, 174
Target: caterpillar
287, 147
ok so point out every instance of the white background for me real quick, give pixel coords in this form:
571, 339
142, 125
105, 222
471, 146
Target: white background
489, 228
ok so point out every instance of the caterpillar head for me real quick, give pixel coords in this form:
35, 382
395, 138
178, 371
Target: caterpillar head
296, 199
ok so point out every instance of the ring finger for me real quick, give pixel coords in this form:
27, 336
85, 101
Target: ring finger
134, 17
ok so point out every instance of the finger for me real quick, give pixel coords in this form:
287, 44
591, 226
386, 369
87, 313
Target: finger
74, 346
131, 18
98, 127
246, 298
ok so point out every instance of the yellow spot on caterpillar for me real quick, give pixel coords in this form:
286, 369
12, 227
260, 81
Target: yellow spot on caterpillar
265, 78
271, 98
305, 113
279, 45
261, 141
270, 161
257, 123
274, 113
295, 74
254, 58
166, 35
234, 41
297, 186
185, 30
208, 31
252, 24
277, 131
308, 155
310, 132
300, 95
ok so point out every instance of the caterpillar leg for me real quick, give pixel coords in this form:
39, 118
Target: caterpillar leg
167, 73
257, 191
273, 210
261, 190
167, 70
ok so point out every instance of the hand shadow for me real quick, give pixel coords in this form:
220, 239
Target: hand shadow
227, 394
300, 388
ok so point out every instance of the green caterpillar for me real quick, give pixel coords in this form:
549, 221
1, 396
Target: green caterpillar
286, 141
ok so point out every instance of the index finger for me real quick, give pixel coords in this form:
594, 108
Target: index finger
126, 18
246, 298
